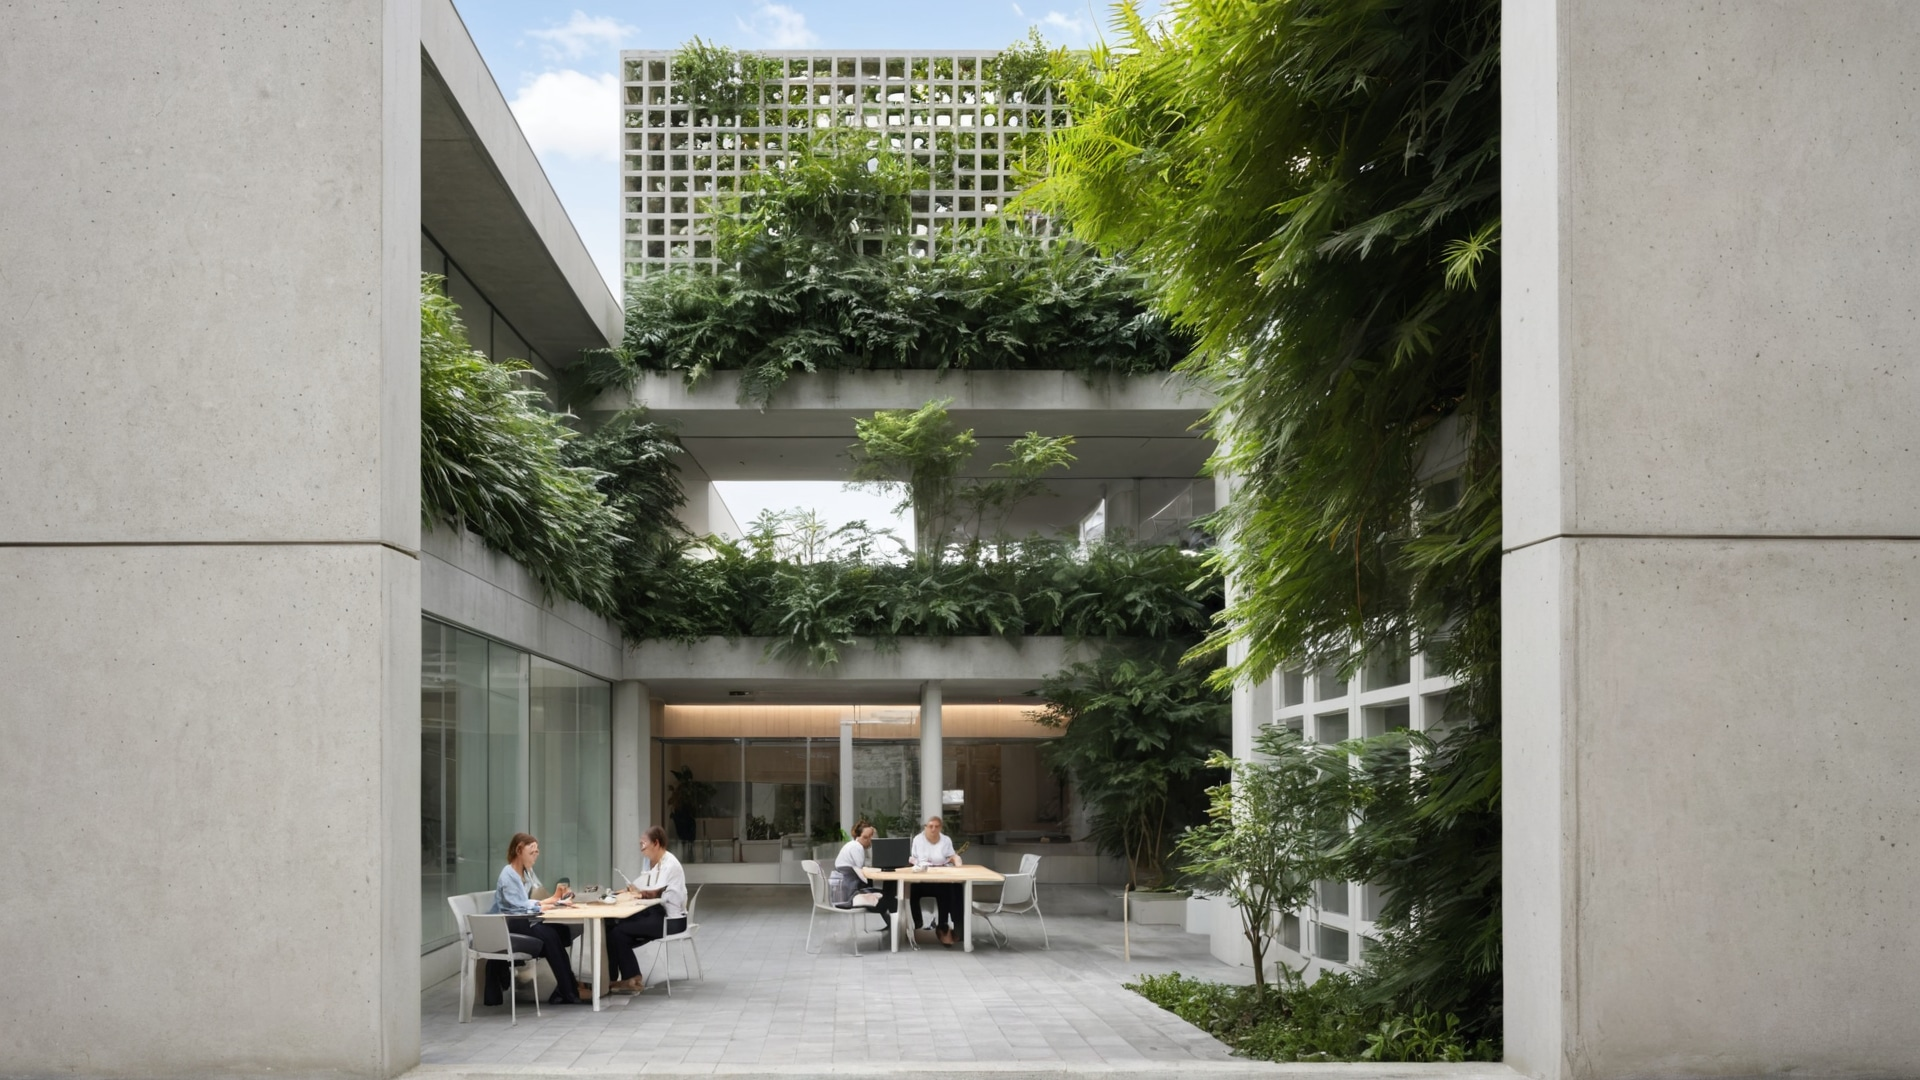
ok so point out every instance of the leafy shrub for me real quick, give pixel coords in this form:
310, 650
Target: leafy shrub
1139, 725
1043, 587
1330, 1020
1314, 190
1007, 304
493, 461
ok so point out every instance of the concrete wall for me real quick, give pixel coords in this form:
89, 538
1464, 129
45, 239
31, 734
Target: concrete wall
209, 594
1712, 593
465, 583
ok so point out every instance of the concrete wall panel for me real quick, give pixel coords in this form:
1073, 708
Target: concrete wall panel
465, 583
213, 764
1734, 265
205, 205
1740, 710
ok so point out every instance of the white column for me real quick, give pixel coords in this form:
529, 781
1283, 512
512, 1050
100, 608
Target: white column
632, 736
209, 536
1711, 594
847, 809
931, 774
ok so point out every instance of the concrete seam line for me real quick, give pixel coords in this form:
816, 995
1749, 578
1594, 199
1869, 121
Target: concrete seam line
408, 552
1817, 537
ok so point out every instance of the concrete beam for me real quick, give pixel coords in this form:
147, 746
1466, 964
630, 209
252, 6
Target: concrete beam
487, 201
1125, 427
970, 670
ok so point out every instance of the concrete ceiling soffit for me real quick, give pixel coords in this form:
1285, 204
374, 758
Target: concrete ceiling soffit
486, 200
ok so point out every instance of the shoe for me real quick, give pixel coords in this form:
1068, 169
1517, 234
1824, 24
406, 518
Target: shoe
628, 986
582, 990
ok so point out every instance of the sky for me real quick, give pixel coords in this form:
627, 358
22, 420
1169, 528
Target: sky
558, 65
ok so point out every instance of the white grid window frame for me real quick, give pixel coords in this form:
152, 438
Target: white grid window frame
1324, 709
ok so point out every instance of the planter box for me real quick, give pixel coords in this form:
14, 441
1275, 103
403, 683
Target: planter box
1159, 909
1199, 914
760, 851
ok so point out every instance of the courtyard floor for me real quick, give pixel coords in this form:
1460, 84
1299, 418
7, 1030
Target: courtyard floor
764, 1001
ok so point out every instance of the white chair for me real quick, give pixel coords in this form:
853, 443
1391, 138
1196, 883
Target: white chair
1018, 896
823, 902
666, 946
489, 940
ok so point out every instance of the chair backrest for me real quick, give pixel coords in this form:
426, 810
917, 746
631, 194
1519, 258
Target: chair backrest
490, 934
1017, 890
463, 906
694, 899
1030, 865
816, 881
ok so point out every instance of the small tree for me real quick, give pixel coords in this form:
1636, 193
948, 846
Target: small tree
917, 451
1139, 730
1270, 833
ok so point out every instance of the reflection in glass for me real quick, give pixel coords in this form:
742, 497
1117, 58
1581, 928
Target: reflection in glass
453, 774
570, 757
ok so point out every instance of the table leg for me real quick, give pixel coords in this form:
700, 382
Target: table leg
596, 945
966, 914
899, 911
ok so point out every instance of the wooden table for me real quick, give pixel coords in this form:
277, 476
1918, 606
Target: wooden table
933, 875
595, 915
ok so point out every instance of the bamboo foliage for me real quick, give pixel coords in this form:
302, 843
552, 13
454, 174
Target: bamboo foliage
1312, 189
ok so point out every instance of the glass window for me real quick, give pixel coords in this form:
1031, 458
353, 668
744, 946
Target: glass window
571, 761
1293, 688
886, 785
1331, 943
490, 716
702, 782
454, 850
1385, 718
1290, 931
1330, 728
1389, 666
1333, 896
1328, 685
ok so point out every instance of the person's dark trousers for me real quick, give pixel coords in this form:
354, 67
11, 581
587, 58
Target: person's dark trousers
545, 940
634, 931
946, 902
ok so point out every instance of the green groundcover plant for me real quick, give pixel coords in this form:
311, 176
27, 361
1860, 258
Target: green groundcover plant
1330, 1020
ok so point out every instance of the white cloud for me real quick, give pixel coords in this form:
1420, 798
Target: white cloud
582, 35
571, 114
777, 26
1073, 28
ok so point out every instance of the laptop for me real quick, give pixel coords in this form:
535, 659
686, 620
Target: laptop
890, 852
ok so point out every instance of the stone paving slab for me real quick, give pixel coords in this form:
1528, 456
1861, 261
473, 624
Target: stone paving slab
766, 1006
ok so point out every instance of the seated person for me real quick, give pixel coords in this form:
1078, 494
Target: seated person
849, 877
513, 897
930, 848
668, 917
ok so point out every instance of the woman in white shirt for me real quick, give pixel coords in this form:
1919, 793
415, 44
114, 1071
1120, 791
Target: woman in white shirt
930, 848
669, 917
850, 875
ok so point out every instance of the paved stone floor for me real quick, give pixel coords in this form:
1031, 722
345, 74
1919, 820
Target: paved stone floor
765, 1002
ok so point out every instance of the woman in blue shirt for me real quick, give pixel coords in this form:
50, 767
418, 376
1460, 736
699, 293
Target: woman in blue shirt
513, 897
